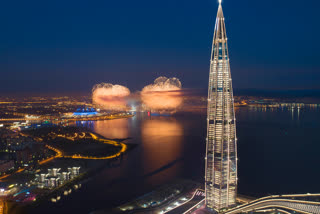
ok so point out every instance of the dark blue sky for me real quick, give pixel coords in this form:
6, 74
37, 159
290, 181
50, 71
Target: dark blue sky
70, 45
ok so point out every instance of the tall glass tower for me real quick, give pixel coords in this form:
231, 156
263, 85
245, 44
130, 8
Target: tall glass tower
221, 152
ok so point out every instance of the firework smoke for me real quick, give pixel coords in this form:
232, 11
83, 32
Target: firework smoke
110, 96
164, 94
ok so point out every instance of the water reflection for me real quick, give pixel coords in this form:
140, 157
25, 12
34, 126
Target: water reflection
87, 124
118, 128
161, 142
268, 142
292, 113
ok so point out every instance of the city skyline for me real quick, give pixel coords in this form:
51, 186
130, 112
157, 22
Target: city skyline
103, 108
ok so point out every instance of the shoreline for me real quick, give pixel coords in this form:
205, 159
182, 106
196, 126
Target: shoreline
75, 183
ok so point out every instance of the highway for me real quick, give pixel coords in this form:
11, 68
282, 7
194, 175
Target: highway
197, 197
299, 203
302, 203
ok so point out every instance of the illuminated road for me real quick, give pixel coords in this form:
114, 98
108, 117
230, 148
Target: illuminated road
95, 137
178, 208
1, 206
114, 143
123, 149
13, 119
296, 203
5, 176
58, 118
59, 154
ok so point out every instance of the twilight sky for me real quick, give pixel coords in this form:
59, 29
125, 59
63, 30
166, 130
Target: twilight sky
70, 45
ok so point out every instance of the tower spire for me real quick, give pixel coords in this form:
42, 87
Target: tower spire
221, 151
220, 12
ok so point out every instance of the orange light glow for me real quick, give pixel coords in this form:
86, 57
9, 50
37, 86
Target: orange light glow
112, 128
163, 135
110, 96
164, 94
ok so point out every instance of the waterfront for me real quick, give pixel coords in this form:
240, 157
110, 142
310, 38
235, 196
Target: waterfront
277, 154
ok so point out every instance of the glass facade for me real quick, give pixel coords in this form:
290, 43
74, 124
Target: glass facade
221, 151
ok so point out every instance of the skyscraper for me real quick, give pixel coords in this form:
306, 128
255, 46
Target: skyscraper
221, 152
